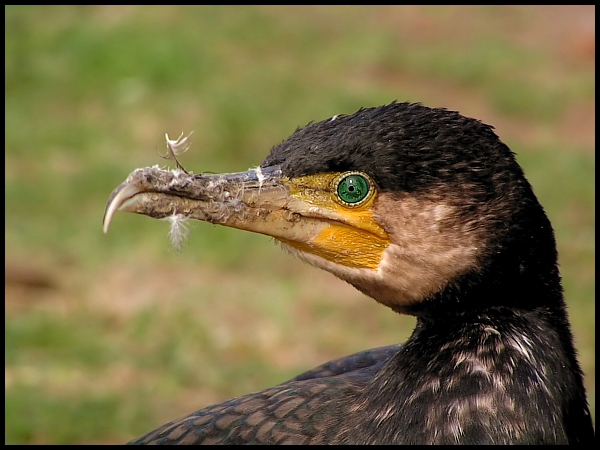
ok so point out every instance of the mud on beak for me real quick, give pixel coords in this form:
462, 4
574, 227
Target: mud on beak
257, 200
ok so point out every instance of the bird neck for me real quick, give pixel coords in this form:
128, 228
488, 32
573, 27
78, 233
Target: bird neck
496, 376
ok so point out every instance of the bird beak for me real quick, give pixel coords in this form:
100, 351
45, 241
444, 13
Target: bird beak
298, 212
257, 200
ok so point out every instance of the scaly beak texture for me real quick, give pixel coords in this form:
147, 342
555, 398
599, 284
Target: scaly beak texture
300, 212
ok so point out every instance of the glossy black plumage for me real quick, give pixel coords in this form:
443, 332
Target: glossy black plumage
491, 359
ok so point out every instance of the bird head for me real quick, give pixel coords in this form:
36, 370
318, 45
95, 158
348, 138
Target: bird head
407, 203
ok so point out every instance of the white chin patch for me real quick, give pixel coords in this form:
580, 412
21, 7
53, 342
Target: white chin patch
401, 279
368, 281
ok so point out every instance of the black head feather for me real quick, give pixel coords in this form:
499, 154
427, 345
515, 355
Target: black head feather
408, 148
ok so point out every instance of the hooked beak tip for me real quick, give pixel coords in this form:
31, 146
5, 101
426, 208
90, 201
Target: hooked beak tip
116, 200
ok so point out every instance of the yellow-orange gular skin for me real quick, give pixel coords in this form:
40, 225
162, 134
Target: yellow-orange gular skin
350, 236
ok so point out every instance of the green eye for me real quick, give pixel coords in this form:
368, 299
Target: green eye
353, 189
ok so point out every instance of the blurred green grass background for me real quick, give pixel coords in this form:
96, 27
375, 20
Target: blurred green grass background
108, 336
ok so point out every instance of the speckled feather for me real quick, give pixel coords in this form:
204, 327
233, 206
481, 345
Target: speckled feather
279, 415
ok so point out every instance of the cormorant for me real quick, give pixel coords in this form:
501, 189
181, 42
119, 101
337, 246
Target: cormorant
427, 212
